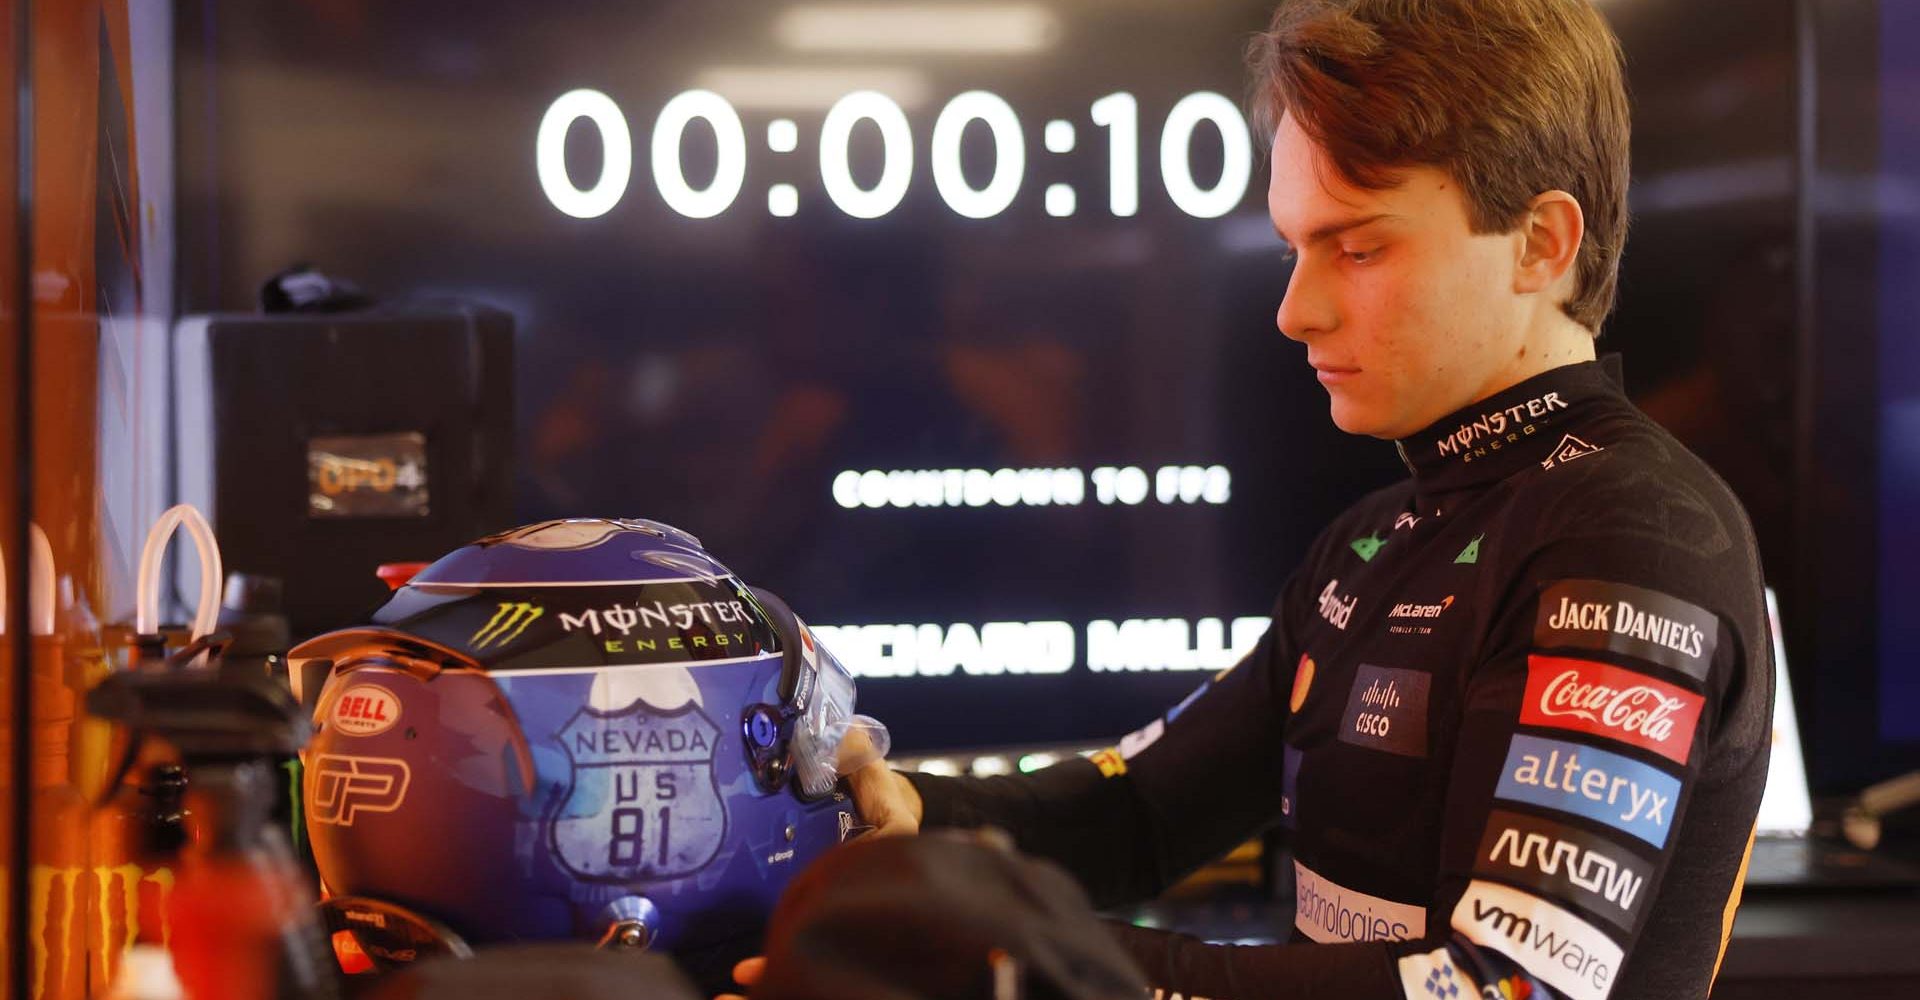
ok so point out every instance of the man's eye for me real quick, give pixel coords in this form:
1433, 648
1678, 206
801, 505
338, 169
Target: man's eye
1288, 255
1361, 256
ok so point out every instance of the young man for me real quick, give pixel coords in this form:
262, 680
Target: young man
1513, 712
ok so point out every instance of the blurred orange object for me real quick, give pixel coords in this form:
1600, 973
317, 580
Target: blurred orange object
227, 917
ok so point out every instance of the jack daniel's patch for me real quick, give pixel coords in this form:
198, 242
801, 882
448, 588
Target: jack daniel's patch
1658, 628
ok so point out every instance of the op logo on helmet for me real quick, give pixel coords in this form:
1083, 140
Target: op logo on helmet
344, 786
643, 800
509, 620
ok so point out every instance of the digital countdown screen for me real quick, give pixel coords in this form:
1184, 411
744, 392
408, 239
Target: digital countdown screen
951, 323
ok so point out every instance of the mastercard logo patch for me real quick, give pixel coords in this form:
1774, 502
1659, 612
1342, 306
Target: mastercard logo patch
1302, 682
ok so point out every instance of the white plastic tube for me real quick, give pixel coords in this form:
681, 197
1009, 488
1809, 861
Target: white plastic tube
40, 603
40, 589
146, 609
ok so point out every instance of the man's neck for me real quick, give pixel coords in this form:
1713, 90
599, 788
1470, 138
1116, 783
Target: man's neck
1552, 341
1517, 427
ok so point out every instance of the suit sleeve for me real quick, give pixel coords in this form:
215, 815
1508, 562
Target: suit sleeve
1610, 671
1175, 794
1587, 718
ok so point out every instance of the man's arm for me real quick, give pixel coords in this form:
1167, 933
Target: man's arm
1626, 686
1172, 796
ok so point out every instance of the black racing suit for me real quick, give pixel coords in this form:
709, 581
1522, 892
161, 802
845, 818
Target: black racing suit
1512, 715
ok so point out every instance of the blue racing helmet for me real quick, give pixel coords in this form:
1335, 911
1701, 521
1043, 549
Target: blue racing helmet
579, 729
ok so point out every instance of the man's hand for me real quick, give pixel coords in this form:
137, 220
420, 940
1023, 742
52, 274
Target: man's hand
747, 972
887, 800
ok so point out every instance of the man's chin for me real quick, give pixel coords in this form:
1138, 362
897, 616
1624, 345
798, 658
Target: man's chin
1359, 420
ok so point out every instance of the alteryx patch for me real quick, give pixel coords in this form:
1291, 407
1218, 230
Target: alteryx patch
1566, 862
1387, 710
1604, 787
1594, 614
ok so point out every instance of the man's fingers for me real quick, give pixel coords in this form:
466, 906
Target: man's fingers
855, 743
896, 825
886, 800
746, 972
873, 778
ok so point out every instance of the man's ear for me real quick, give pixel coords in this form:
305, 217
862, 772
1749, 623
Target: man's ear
1551, 229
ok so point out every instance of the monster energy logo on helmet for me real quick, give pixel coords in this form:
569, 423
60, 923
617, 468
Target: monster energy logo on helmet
506, 625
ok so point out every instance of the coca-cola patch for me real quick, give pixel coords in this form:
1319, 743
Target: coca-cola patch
1583, 696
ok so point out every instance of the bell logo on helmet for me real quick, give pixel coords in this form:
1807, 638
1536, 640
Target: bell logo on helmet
341, 787
643, 800
364, 710
511, 619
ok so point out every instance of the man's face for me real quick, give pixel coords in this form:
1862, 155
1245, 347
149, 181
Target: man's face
1405, 313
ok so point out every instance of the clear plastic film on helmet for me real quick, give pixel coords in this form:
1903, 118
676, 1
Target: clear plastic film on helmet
830, 741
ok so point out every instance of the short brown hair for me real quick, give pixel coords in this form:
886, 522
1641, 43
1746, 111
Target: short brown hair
1510, 97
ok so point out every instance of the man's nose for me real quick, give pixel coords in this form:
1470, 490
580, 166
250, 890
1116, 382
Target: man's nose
1305, 310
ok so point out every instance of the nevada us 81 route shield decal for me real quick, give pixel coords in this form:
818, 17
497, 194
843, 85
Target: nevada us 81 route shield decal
644, 801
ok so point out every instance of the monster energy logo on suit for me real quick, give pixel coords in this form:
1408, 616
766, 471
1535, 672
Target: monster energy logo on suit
1490, 431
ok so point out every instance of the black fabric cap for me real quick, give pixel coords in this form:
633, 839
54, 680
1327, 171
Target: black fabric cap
950, 914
